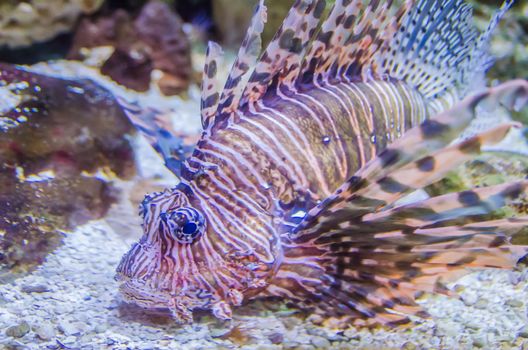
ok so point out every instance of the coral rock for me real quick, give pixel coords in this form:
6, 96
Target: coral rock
60, 141
154, 40
23, 23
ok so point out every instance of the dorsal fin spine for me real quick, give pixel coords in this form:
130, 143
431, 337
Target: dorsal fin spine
246, 59
429, 44
210, 88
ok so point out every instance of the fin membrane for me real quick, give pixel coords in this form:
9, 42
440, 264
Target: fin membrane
156, 128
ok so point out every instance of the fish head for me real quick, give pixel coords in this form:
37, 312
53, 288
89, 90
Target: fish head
162, 270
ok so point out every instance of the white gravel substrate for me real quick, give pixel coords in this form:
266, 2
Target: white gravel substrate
71, 302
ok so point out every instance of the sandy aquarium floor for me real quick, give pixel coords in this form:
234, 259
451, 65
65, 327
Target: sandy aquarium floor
72, 302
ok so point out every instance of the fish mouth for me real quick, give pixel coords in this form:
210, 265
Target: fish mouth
150, 294
181, 306
138, 292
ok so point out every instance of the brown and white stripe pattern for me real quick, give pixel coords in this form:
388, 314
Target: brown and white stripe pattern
244, 176
313, 142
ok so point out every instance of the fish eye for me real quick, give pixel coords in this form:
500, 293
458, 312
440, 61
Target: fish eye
184, 224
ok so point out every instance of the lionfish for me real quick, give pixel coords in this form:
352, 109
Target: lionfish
294, 187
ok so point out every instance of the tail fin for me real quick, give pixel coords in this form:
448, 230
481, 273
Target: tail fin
358, 253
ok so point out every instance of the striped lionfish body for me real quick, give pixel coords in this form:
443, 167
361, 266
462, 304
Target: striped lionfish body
293, 188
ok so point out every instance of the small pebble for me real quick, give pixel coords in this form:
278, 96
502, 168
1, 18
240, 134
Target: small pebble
352, 334
473, 325
35, 288
469, 299
290, 344
276, 338
70, 340
291, 322
69, 328
305, 347
481, 303
19, 330
514, 303
100, 328
448, 329
480, 341
321, 343
45, 331
268, 347
219, 332
408, 346
523, 332
13, 345
459, 288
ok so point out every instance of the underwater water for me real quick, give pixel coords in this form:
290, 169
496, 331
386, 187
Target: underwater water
74, 170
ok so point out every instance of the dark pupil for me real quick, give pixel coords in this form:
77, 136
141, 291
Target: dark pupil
189, 228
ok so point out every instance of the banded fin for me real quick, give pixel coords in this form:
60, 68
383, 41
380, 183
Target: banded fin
372, 256
368, 36
476, 202
174, 148
210, 85
438, 132
247, 57
382, 180
431, 167
429, 44
285, 51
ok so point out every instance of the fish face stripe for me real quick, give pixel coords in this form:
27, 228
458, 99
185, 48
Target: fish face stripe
259, 239
218, 178
226, 234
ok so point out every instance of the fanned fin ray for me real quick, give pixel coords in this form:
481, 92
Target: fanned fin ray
433, 40
432, 211
379, 179
480, 60
429, 44
373, 256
